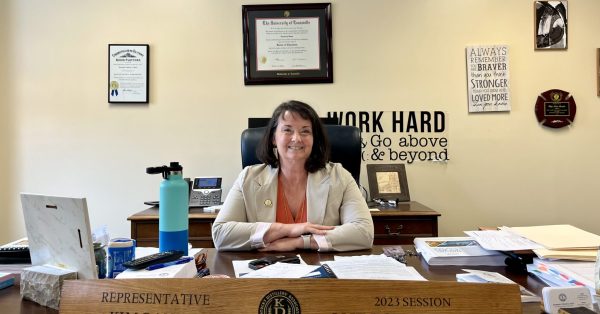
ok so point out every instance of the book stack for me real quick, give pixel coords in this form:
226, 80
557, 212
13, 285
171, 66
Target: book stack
463, 251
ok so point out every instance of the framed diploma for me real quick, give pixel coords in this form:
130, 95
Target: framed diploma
128, 73
388, 182
287, 43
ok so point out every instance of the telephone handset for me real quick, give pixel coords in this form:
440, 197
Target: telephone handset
206, 191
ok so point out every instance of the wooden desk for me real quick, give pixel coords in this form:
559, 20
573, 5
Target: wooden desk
399, 225
404, 223
221, 263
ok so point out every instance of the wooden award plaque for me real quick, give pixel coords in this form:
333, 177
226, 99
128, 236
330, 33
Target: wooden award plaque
555, 108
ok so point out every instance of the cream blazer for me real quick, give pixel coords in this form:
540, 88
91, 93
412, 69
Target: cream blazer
333, 199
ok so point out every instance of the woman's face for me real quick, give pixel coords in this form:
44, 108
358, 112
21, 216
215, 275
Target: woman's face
293, 138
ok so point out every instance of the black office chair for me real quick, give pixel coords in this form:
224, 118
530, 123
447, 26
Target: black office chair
344, 140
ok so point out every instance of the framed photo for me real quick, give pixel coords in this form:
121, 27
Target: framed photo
287, 43
128, 73
388, 182
550, 24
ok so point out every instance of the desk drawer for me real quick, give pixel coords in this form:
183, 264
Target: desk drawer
196, 229
146, 233
145, 230
403, 231
201, 234
200, 229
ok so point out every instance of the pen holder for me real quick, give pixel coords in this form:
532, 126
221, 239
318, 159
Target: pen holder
120, 250
100, 256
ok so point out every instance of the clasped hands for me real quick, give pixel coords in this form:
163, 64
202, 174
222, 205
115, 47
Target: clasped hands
286, 237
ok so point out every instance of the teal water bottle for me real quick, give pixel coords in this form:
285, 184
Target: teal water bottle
172, 208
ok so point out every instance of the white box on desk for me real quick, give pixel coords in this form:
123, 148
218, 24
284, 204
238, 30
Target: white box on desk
566, 297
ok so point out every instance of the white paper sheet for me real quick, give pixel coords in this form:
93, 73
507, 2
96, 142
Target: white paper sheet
372, 267
240, 267
282, 270
474, 275
500, 240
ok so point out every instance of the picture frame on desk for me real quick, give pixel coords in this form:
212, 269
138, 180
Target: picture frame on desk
128, 73
287, 43
388, 182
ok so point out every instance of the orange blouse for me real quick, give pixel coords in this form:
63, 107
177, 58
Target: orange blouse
284, 214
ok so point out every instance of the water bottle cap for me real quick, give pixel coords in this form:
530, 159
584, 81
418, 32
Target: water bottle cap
175, 166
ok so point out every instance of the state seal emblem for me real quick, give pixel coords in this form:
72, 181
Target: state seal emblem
279, 301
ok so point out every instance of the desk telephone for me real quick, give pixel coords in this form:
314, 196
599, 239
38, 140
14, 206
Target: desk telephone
205, 191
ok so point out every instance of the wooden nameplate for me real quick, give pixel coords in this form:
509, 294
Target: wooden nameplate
216, 295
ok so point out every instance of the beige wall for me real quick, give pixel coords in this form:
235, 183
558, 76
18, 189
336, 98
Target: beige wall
505, 169
7, 128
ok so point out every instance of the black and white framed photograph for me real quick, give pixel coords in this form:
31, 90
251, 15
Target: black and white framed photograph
388, 182
550, 24
287, 43
128, 76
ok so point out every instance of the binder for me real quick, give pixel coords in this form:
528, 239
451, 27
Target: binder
322, 272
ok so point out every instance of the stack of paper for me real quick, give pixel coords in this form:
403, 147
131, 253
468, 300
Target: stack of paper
556, 237
456, 251
561, 241
379, 267
576, 255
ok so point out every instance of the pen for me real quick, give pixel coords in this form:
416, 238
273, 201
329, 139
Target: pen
182, 260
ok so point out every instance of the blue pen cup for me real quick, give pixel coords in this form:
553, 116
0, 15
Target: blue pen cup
120, 250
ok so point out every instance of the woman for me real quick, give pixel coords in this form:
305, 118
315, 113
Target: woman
296, 199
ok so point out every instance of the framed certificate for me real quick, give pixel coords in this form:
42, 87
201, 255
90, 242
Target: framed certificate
388, 182
128, 73
287, 43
